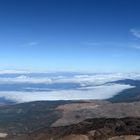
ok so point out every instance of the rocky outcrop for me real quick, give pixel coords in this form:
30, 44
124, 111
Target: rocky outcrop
126, 137
91, 129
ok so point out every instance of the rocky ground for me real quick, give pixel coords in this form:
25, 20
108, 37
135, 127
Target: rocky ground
91, 129
65, 120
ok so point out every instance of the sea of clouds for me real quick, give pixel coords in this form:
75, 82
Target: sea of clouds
25, 87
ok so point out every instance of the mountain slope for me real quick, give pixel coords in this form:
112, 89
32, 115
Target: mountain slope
91, 129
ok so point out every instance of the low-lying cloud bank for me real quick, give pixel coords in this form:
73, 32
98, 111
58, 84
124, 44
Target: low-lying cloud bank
92, 86
98, 92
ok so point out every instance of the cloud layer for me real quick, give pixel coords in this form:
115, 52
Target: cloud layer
100, 92
89, 79
33, 87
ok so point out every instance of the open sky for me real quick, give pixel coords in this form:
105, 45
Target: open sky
70, 35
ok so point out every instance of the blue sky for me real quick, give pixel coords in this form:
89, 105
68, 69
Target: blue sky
70, 35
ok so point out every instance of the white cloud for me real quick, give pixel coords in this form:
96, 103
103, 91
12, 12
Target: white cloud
92, 86
136, 46
135, 32
26, 79
13, 72
33, 43
30, 44
113, 44
91, 79
99, 92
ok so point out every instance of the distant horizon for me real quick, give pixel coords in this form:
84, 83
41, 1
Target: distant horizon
26, 71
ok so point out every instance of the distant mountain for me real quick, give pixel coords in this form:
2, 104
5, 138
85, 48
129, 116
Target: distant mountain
128, 95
